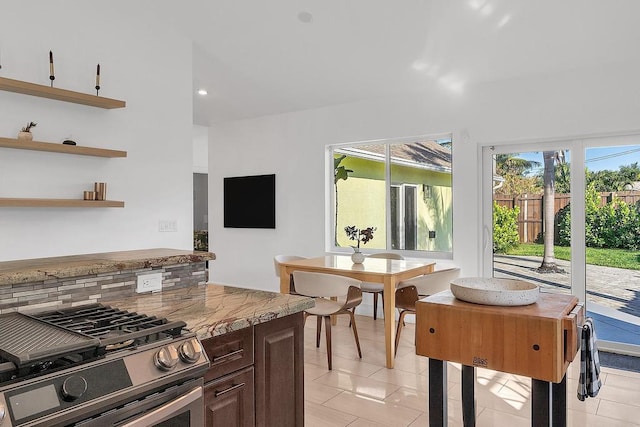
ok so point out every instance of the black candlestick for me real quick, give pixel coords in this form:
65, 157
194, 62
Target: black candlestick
97, 90
52, 78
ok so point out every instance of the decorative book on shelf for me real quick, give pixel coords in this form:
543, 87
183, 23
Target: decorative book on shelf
26, 88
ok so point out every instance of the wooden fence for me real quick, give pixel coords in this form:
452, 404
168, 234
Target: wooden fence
530, 216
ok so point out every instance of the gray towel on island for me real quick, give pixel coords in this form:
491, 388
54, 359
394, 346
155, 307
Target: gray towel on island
589, 383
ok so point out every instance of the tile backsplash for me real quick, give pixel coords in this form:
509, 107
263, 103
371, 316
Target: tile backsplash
94, 288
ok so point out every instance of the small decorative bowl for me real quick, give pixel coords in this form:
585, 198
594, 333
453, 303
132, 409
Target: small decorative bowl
491, 291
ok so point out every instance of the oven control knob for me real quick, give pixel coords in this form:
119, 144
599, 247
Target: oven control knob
166, 358
73, 387
190, 351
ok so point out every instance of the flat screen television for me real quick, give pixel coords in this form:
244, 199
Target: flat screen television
250, 201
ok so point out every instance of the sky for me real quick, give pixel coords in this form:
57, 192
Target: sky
601, 158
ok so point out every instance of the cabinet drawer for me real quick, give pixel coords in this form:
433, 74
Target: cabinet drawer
229, 352
229, 401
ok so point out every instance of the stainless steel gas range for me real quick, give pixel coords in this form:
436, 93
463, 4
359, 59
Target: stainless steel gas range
99, 366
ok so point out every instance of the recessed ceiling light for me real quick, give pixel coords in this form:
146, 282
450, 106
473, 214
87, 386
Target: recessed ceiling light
202, 92
305, 17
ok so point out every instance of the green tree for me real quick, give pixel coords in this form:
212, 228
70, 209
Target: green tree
339, 172
548, 218
511, 164
608, 180
505, 228
513, 170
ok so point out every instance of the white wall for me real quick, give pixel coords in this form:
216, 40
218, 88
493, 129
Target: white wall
597, 100
200, 149
142, 63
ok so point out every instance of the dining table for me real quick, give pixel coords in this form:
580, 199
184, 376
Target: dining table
389, 272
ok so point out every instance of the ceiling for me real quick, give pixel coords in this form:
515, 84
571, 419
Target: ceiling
258, 57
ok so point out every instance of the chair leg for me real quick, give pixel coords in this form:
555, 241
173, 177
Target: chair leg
318, 329
399, 329
375, 305
327, 330
355, 333
382, 296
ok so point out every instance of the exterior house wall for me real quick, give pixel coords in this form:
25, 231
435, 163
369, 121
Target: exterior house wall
361, 202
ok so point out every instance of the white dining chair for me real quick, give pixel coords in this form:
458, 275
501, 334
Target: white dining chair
411, 290
378, 288
322, 287
279, 259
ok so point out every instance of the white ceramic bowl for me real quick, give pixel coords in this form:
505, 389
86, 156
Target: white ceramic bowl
488, 291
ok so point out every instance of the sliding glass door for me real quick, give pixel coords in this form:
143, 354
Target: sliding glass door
566, 216
529, 190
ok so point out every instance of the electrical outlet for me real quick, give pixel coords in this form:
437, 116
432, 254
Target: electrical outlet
149, 282
167, 225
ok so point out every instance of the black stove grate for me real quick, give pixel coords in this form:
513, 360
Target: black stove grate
38, 343
113, 326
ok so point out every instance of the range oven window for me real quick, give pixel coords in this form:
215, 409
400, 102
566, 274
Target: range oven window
180, 420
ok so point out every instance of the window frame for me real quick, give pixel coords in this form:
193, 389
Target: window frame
330, 151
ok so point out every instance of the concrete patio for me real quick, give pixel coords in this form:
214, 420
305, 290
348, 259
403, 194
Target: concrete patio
613, 294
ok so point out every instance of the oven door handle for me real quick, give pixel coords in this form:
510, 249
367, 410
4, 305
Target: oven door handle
161, 413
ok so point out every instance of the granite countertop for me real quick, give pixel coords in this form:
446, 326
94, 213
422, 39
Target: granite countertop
210, 310
39, 269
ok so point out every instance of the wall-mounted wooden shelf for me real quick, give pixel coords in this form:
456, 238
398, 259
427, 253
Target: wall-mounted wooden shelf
20, 144
59, 203
42, 91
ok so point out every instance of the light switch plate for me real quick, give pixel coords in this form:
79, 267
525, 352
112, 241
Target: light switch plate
149, 282
167, 225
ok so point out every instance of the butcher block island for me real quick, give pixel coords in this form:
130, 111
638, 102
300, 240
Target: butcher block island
538, 341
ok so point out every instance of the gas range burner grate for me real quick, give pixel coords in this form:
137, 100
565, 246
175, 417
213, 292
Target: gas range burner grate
114, 328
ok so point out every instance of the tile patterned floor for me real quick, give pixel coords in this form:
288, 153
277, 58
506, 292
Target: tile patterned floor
362, 392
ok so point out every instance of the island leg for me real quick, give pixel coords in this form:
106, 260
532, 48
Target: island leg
540, 403
559, 403
468, 396
438, 416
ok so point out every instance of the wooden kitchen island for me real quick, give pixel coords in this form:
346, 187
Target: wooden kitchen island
538, 341
254, 341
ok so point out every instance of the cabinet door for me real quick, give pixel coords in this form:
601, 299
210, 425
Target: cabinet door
229, 352
229, 401
279, 372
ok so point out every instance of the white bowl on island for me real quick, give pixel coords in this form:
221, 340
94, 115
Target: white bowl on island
492, 291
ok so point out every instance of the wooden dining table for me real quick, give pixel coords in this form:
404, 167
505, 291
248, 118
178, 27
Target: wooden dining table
389, 272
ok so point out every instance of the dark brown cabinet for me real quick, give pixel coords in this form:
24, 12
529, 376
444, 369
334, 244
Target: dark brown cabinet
228, 401
257, 375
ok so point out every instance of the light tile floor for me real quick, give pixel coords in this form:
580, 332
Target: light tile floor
362, 392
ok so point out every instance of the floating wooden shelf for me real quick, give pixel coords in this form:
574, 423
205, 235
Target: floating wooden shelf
59, 148
42, 91
59, 203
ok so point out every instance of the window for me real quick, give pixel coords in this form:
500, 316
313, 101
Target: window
403, 188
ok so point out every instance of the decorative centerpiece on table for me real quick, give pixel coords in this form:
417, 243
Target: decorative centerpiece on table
25, 132
359, 235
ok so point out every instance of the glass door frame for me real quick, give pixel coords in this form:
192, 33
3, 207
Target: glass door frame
578, 270
577, 147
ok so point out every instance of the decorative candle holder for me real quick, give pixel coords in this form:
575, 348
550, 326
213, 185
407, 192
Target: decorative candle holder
89, 195
101, 190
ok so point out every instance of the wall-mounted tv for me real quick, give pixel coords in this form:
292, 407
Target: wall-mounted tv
250, 201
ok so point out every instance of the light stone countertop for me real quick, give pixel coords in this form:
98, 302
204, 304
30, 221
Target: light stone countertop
210, 310
40, 269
